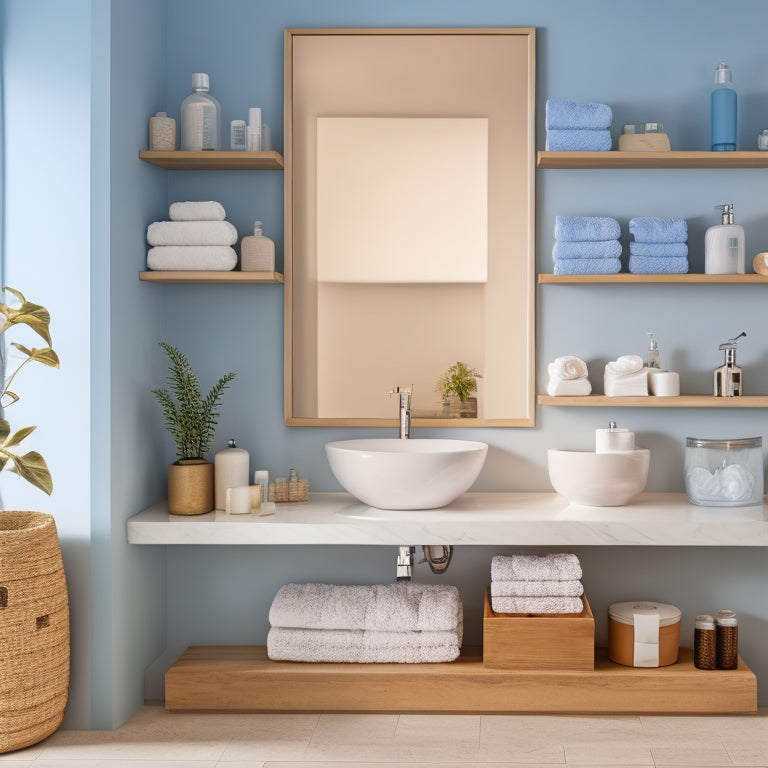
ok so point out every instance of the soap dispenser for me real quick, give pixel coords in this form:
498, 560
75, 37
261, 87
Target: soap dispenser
723, 106
724, 245
729, 377
257, 252
653, 359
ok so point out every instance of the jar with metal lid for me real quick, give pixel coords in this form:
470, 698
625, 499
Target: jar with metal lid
724, 473
727, 631
643, 634
704, 643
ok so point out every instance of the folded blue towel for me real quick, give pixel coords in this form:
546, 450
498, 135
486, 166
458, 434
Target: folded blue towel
577, 114
588, 267
578, 140
587, 249
575, 228
659, 250
652, 265
647, 229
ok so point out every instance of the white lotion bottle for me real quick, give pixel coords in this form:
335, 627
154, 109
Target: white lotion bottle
230, 470
724, 246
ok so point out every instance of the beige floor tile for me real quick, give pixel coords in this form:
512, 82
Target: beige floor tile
613, 753
271, 737
142, 763
697, 754
430, 764
747, 753
562, 728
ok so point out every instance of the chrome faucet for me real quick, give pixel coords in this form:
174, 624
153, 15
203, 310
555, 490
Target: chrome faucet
405, 410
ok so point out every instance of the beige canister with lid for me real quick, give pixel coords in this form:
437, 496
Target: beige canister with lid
643, 634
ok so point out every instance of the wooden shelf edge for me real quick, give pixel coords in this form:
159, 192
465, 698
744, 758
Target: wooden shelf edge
222, 161
242, 678
627, 277
201, 276
651, 401
678, 159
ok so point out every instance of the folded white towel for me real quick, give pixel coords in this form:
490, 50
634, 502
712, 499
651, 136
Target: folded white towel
191, 233
208, 210
569, 588
560, 566
174, 258
625, 364
568, 367
361, 646
557, 387
536, 604
625, 385
402, 607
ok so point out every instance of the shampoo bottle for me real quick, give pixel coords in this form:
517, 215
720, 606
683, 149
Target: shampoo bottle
724, 246
257, 253
200, 117
723, 111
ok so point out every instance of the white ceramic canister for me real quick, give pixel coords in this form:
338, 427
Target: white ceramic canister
643, 634
230, 470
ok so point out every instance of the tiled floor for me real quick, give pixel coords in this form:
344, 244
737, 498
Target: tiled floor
153, 738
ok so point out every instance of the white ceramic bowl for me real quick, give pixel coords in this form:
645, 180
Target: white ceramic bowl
390, 473
598, 479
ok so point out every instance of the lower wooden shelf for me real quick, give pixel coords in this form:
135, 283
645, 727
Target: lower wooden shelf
242, 678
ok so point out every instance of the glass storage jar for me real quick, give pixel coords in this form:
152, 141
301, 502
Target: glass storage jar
724, 473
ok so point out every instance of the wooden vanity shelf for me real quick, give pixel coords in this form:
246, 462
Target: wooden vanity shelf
242, 678
629, 278
202, 276
651, 401
214, 161
685, 159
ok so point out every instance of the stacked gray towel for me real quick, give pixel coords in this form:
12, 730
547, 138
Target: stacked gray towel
536, 584
660, 246
196, 238
586, 245
400, 623
578, 126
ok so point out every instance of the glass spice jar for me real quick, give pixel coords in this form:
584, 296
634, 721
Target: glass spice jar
727, 640
704, 643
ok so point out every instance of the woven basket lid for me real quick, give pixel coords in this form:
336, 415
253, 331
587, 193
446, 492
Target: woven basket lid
625, 613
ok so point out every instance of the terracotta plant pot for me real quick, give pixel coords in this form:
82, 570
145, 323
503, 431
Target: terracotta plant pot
34, 630
466, 409
190, 487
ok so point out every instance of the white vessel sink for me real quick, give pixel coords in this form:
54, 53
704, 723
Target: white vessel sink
598, 479
390, 473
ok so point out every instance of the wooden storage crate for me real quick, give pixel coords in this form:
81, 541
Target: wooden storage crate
538, 641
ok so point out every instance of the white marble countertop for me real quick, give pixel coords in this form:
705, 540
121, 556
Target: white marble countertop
523, 519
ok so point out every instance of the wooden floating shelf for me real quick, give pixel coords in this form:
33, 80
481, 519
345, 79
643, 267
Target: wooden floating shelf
681, 401
243, 679
214, 161
627, 277
195, 276
615, 159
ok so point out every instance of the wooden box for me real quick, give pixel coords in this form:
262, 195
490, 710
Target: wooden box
536, 641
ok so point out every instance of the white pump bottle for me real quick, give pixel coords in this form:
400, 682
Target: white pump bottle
724, 246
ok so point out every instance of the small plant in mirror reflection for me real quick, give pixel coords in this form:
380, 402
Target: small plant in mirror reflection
459, 380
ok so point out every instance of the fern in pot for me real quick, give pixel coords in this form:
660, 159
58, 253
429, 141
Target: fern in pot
456, 386
191, 421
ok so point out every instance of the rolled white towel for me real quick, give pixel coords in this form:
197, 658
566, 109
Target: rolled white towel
191, 210
560, 566
175, 258
626, 384
543, 588
536, 604
191, 233
625, 364
361, 646
568, 367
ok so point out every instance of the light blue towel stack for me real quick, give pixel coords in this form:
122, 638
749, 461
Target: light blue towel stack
578, 126
586, 245
660, 246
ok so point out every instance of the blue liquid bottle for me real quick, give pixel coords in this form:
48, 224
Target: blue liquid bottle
723, 111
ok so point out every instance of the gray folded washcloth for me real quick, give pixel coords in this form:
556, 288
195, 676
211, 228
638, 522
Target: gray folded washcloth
536, 604
648, 229
192, 210
210, 258
586, 228
549, 588
562, 113
191, 233
587, 249
561, 566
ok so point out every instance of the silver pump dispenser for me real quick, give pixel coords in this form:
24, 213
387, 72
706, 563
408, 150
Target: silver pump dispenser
727, 212
729, 377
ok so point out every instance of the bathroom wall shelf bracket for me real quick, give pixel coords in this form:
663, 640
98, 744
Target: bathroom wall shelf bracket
243, 678
632, 279
615, 159
682, 401
214, 161
201, 276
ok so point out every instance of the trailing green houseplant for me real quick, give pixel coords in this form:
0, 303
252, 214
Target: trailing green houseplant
459, 380
31, 465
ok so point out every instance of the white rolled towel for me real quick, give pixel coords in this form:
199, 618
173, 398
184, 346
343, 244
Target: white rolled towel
543, 588
560, 566
191, 210
557, 387
191, 233
536, 604
175, 258
361, 646
625, 365
568, 367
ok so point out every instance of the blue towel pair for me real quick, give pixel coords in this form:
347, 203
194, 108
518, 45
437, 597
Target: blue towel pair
586, 228
659, 250
586, 249
563, 114
578, 140
648, 229
588, 267
653, 265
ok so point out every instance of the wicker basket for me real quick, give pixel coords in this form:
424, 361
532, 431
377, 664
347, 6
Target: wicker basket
34, 630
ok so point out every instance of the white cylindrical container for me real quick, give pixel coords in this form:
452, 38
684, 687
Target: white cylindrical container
230, 470
237, 135
664, 384
643, 634
614, 439
253, 131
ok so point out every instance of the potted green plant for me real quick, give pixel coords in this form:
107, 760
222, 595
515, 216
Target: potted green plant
455, 387
191, 420
34, 630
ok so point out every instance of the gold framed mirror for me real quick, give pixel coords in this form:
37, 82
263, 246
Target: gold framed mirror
409, 223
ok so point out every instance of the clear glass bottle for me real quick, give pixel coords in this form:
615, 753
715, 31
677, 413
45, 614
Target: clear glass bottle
723, 103
200, 117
